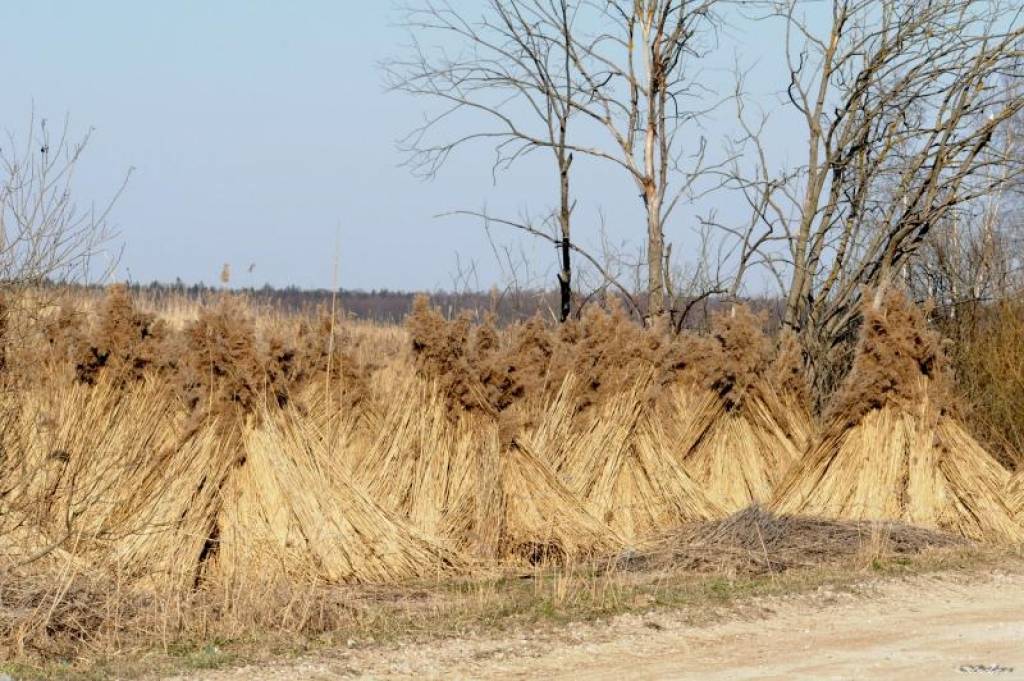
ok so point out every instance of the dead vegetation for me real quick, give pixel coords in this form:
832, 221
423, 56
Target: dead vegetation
737, 436
755, 541
125, 343
989, 360
187, 462
899, 362
891, 447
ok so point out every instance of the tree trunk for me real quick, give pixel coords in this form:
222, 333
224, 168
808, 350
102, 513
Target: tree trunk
655, 256
564, 217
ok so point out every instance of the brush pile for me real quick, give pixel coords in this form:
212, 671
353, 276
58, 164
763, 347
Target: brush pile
755, 541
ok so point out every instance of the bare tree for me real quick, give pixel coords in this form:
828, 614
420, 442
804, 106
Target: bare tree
646, 93
637, 67
512, 66
977, 255
44, 232
624, 68
899, 100
45, 236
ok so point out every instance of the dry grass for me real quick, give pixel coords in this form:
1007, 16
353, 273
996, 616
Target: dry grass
989, 360
69, 625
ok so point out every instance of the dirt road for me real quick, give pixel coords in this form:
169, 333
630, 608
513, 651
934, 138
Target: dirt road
919, 630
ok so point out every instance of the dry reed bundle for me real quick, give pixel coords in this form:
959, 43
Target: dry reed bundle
292, 508
461, 481
272, 501
540, 518
620, 464
422, 465
1015, 495
787, 378
347, 429
443, 351
325, 355
181, 492
552, 434
606, 350
78, 448
479, 369
733, 433
736, 456
891, 449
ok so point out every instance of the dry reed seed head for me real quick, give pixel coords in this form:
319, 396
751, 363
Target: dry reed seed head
442, 353
64, 333
282, 371
569, 332
493, 372
732, 359
475, 366
222, 374
485, 337
531, 349
328, 351
435, 341
611, 350
787, 373
898, 360
125, 343
312, 354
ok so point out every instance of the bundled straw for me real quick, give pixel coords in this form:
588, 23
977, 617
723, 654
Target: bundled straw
540, 518
292, 507
622, 466
77, 449
281, 504
1015, 495
735, 436
480, 492
787, 377
891, 449
423, 466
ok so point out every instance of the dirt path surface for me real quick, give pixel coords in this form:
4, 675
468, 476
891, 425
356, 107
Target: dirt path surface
949, 627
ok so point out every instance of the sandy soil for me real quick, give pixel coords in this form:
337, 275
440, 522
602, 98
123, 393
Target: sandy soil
923, 629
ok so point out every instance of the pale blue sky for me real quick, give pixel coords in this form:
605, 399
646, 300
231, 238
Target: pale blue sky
256, 128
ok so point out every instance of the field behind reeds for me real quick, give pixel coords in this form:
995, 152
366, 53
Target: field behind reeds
185, 472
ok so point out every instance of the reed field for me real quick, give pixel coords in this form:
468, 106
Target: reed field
192, 472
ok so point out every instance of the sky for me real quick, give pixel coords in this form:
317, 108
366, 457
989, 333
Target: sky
259, 133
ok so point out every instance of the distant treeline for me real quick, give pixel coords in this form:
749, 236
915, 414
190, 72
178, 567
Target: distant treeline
379, 305
391, 307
